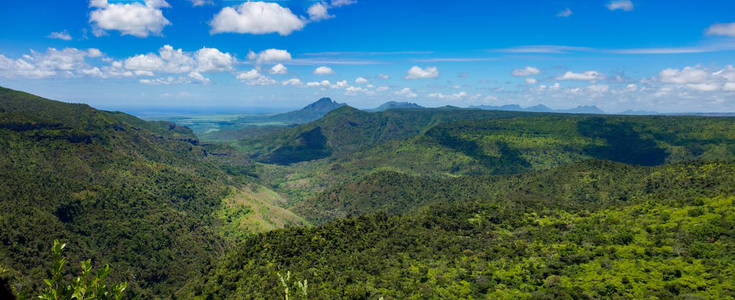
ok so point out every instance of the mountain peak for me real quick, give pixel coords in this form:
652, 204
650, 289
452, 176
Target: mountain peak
395, 105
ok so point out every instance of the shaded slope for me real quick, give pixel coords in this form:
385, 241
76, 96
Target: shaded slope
118, 190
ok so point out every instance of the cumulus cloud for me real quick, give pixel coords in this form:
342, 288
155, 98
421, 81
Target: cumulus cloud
201, 2
323, 83
211, 59
254, 77
67, 62
383, 76
318, 12
338, 3
527, 71
133, 19
530, 80
417, 72
192, 77
256, 18
360, 80
278, 69
455, 96
292, 81
406, 92
170, 60
625, 5
585, 76
699, 79
60, 35
722, 29
564, 13
269, 56
323, 70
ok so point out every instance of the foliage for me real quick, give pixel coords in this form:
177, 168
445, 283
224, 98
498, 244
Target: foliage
85, 286
650, 248
138, 195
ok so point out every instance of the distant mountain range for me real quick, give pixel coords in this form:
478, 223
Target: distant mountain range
582, 109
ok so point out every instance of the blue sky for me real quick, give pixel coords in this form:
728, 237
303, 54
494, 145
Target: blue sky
667, 56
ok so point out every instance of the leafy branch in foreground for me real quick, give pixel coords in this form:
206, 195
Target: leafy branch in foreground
86, 286
302, 286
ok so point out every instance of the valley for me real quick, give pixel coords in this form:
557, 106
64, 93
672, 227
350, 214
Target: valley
407, 202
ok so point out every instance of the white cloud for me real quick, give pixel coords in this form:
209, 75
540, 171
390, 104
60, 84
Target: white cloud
60, 35
354, 90
278, 69
530, 80
198, 77
66, 62
256, 18
585, 76
406, 92
564, 13
383, 76
292, 81
211, 59
201, 2
269, 56
527, 71
318, 12
168, 60
722, 29
323, 83
416, 72
598, 88
382, 88
625, 5
338, 3
323, 70
455, 96
684, 76
699, 79
729, 87
253, 77
133, 19
360, 80
94, 52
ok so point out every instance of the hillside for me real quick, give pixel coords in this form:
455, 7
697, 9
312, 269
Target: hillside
493, 143
670, 238
142, 196
394, 105
347, 129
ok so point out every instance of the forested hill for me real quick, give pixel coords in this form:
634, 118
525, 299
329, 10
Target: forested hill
595, 230
501, 140
138, 195
347, 129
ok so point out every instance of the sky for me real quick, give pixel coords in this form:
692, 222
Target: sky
233, 56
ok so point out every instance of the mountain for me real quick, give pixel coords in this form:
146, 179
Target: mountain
347, 129
394, 105
146, 197
591, 109
307, 114
582, 109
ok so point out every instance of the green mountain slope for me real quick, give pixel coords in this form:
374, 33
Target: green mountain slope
662, 232
487, 143
142, 196
347, 129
